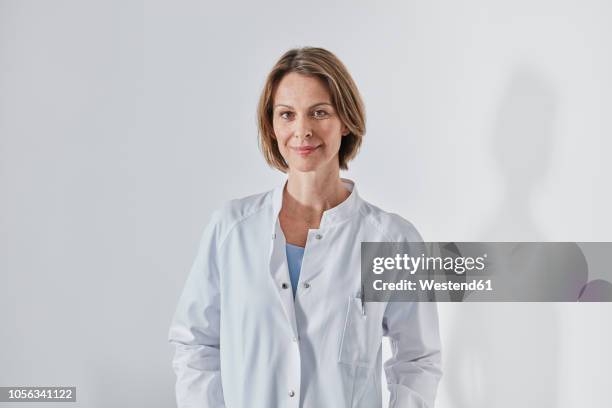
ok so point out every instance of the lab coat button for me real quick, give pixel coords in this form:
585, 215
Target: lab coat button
318, 236
295, 339
284, 285
291, 393
306, 285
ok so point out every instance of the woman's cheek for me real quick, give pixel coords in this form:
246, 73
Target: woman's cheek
281, 136
283, 140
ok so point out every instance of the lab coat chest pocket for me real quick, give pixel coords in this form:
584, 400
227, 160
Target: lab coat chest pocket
361, 336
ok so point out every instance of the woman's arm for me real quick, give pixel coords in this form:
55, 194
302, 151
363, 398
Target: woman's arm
415, 367
195, 331
414, 370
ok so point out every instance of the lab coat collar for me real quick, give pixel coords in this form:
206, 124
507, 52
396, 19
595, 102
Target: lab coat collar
278, 262
343, 211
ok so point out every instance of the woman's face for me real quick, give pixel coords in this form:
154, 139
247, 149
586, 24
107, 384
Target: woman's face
306, 126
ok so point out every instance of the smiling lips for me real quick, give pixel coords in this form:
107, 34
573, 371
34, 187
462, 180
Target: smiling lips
305, 150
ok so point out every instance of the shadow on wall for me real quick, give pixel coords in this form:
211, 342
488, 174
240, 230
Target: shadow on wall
506, 354
522, 143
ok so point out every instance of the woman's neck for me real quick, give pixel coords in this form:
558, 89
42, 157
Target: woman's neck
308, 195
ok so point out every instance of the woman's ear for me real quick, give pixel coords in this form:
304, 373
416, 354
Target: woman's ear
345, 131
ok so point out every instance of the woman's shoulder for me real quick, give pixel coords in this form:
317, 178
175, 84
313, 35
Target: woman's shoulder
240, 208
395, 227
232, 213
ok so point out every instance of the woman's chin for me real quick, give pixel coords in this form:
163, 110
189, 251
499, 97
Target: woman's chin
305, 165
303, 169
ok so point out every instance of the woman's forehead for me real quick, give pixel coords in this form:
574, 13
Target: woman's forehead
300, 90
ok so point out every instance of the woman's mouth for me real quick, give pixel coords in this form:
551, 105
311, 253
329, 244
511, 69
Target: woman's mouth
305, 150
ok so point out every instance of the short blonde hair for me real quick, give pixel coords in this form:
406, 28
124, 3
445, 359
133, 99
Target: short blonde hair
320, 63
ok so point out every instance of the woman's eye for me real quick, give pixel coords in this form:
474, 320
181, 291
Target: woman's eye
320, 114
286, 115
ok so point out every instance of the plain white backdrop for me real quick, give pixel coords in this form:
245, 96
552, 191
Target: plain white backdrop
124, 124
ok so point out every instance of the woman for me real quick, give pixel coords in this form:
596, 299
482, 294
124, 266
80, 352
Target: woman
271, 314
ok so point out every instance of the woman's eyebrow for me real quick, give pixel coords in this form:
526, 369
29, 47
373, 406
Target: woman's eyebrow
312, 106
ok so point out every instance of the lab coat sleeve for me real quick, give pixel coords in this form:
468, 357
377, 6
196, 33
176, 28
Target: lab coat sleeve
414, 369
194, 330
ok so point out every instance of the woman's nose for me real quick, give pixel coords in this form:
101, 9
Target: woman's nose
303, 128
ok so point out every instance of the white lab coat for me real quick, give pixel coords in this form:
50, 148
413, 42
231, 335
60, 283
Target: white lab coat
242, 341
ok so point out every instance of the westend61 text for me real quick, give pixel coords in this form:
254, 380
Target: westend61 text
430, 284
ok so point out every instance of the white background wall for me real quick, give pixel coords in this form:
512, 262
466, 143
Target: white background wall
123, 124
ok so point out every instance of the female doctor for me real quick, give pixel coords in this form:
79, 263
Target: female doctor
271, 313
